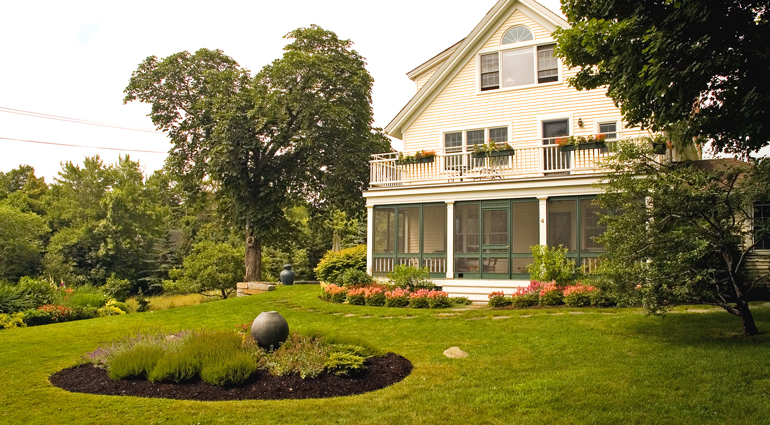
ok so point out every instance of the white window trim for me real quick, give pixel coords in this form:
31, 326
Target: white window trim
753, 240
534, 45
464, 130
618, 125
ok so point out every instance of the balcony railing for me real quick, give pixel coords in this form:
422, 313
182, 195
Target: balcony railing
532, 158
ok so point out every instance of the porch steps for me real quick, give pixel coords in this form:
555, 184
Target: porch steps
477, 290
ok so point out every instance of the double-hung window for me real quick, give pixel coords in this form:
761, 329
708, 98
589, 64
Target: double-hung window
761, 217
609, 129
515, 66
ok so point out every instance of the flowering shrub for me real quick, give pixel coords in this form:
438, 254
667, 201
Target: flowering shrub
356, 296
526, 296
419, 299
13, 320
57, 313
438, 299
497, 299
335, 293
550, 294
397, 298
374, 296
578, 295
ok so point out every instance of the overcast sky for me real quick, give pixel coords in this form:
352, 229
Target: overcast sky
73, 59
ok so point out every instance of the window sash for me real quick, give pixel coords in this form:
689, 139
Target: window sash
609, 128
547, 64
490, 65
518, 67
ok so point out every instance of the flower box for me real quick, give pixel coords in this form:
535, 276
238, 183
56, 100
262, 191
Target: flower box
592, 145
426, 159
504, 152
479, 154
567, 148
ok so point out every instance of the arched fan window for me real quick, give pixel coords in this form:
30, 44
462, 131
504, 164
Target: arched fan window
518, 34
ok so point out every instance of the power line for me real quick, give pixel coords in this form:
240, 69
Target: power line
72, 120
80, 146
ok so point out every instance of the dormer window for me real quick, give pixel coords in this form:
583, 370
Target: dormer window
523, 65
517, 34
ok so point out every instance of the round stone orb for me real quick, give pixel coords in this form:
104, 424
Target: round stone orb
270, 330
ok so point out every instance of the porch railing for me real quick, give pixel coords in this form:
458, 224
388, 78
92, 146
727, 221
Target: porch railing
532, 158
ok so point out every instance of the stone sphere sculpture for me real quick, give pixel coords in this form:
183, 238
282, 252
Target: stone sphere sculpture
270, 330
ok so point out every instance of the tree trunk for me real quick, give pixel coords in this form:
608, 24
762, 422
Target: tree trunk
747, 320
749, 328
253, 259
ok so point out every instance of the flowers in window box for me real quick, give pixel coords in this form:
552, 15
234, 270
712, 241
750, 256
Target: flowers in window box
562, 141
492, 148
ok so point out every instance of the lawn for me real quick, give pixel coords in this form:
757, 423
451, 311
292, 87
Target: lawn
552, 366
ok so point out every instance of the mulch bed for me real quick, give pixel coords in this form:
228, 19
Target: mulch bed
380, 373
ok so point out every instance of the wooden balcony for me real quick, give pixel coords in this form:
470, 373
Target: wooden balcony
531, 158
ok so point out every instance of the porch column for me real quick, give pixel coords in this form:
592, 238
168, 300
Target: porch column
450, 239
543, 219
369, 238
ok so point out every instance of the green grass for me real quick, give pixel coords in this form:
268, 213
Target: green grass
544, 366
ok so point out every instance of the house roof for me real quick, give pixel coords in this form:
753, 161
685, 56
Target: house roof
455, 57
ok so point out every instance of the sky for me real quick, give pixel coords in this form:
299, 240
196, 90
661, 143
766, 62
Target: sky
74, 59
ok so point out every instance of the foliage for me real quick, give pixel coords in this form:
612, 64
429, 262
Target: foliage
334, 293
683, 233
552, 264
38, 290
355, 296
578, 295
551, 294
300, 129
355, 277
120, 289
438, 299
334, 264
86, 296
211, 266
374, 296
302, 355
498, 299
344, 364
410, 277
109, 310
700, 64
142, 303
20, 243
460, 300
397, 297
13, 320
13, 298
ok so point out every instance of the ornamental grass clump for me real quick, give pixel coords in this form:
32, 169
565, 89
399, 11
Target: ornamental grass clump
578, 295
551, 294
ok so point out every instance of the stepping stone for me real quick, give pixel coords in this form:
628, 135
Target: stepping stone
455, 353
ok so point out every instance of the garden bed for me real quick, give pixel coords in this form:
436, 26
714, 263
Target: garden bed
380, 372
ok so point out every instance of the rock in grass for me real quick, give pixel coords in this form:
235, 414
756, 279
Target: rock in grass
455, 353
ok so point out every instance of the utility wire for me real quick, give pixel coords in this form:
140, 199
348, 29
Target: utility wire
80, 146
72, 120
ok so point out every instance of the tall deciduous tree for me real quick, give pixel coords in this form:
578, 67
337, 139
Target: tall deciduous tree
685, 233
701, 64
300, 129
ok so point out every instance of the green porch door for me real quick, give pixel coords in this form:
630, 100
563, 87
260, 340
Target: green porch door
495, 242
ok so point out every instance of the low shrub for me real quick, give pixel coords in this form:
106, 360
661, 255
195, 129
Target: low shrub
137, 361
578, 295
356, 296
121, 305
39, 291
109, 310
142, 303
300, 354
13, 320
526, 296
334, 264
344, 364
438, 299
419, 299
119, 289
85, 313
551, 294
58, 313
498, 299
35, 317
355, 277
175, 366
374, 296
397, 298
410, 277
334, 293
600, 298
460, 300
552, 264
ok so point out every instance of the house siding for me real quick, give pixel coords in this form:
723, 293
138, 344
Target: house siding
460, 106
